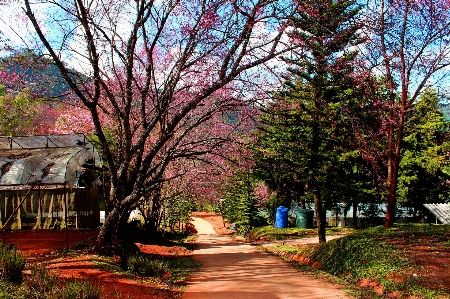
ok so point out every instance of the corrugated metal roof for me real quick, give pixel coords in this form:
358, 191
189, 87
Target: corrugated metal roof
440, 210
47, 160
43, 141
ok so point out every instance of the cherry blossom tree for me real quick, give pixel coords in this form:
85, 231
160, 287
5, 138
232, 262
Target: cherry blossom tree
409, 45
155, 72
201, 177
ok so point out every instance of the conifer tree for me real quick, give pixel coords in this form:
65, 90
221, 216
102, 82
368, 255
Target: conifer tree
301, 136
241, 203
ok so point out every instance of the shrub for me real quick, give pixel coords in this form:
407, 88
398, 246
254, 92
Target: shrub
147, 265
12, 264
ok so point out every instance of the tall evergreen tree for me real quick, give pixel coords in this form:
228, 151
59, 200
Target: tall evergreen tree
303, 128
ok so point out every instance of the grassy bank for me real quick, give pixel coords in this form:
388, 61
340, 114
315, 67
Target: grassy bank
380, 263
268, 233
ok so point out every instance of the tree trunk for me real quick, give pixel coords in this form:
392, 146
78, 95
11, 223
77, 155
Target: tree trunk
355, 213
320, 214
393, 166
155, 215
107, 238
394, 163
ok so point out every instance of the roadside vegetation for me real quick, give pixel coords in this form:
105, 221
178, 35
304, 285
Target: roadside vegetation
39, 282
22, 279
163, 268
379, 263
269, 232
169, 270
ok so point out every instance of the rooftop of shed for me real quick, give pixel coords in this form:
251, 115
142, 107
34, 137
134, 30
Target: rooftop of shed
50, 160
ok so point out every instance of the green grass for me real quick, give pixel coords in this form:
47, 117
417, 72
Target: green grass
305, 250
271, 233
12, 263
40, 284
374, 254
168, 269
80, 289
180, 239
358, 256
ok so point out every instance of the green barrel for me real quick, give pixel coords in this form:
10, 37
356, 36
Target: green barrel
304, 218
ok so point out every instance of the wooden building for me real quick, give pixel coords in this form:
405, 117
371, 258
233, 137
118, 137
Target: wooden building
49, 181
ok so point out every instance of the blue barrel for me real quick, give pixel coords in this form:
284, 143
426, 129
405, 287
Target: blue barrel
281, 218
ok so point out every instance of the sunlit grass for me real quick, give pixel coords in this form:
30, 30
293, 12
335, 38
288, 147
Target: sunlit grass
271, 233
374, 254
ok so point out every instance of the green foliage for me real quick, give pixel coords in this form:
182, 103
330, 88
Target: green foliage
41, 282
424, 167
80, 289
167, 269
12, 263
205, 207
271, 233
17, 111
302, 250
146, 265
358, 256
372, 254
12, 291
178, 210
241, 205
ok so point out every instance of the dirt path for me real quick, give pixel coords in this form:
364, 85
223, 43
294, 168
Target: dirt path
238, 270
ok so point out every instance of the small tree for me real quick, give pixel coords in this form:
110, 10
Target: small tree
241, 204
177, 210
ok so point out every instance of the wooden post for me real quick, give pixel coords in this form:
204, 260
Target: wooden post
18, 215
66, 220
17, 208
40, 207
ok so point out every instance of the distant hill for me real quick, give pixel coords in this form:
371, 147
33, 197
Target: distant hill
37, 73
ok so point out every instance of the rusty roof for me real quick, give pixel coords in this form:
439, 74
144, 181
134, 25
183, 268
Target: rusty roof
45, 160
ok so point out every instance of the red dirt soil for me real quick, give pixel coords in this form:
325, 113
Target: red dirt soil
49, 246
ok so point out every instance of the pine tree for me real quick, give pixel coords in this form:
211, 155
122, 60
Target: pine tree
301, 137
241, 204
